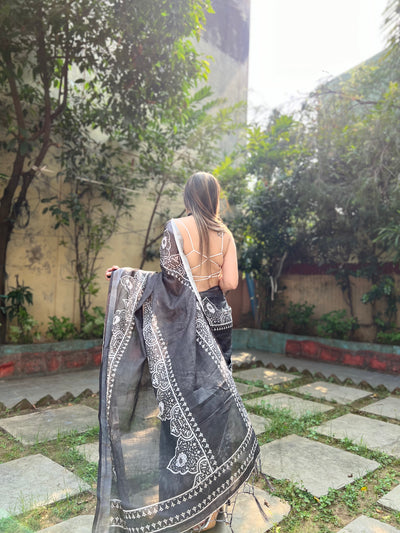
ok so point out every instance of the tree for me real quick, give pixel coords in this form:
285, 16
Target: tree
121, 58
270, 222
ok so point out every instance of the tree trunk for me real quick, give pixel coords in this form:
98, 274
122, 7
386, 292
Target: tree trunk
6, 228
5, 234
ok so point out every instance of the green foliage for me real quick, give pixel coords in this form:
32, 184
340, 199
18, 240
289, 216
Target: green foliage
61, 329
326, 188
16, 299
93, 324
72, 72
388, 337
271, 220
87, 227
336, 325
300, 314
25, 331
14, 307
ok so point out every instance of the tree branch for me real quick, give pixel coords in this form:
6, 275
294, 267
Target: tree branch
14, 91
325, 92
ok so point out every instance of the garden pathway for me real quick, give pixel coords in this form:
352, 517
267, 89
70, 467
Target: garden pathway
34, 480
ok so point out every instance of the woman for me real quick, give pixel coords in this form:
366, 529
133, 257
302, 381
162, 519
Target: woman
175, 440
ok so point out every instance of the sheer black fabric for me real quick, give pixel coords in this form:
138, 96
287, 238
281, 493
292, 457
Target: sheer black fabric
175, 440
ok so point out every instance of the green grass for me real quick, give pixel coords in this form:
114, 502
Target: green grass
327, 514
62, 451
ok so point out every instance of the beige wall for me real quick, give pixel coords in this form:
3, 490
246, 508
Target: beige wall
323, 292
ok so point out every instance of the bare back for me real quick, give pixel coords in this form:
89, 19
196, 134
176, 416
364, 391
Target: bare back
216, 266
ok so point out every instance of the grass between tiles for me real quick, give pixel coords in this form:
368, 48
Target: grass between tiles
327, 514
62, 451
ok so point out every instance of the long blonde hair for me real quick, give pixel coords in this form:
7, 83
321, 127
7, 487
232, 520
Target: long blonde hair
201, 197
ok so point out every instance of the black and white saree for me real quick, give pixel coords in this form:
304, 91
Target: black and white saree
175, 439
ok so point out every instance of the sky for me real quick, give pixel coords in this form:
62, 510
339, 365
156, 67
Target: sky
295, 44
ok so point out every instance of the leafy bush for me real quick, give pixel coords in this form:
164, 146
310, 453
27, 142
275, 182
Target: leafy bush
300, 316
14, 306
26, 329
388, 337
336, 325
61, 329
94, 324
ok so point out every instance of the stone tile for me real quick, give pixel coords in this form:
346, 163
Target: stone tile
246, 389
33, 481
332, 392
138, 459
342, 372
315, 466
266, 375
364, 524
247, 517
89, 451
259, 423
49, 423
33, 388
389, 407
374, 434
78, 524
297, 406
391, 500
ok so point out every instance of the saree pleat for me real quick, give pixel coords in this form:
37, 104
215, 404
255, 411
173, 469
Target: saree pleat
175, 439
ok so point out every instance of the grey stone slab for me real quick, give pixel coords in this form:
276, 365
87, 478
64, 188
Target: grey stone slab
33, 388
247, 517
247, 389
391, 500
89, 451
49, 423
78, 524
374, 434
332, 392
265, 375
315, 466
342, 372
139, 460
33, 481
297, 406
364, 524
389, 407
259, 423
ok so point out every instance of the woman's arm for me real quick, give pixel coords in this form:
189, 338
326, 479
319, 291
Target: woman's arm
230, 275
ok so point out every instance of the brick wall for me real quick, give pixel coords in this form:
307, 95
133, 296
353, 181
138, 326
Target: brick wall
41, 359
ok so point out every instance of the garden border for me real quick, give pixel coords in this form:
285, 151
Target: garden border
378, 357
18, 360
51, 358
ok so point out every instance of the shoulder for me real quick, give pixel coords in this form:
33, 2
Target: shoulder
228, 238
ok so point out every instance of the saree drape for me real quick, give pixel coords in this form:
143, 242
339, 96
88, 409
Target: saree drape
175, 440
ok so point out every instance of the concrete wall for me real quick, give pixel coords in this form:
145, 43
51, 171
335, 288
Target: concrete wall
322, 291
226, 39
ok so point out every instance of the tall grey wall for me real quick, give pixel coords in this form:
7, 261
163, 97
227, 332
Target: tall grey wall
226, 39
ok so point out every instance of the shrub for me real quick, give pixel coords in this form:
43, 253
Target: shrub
336, 325
14, 306
300, 316
26, 329
388, 337
61, 329
94, 324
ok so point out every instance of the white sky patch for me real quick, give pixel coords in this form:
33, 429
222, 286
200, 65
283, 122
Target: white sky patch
295, 44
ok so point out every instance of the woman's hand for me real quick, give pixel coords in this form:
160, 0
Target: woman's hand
110, 270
